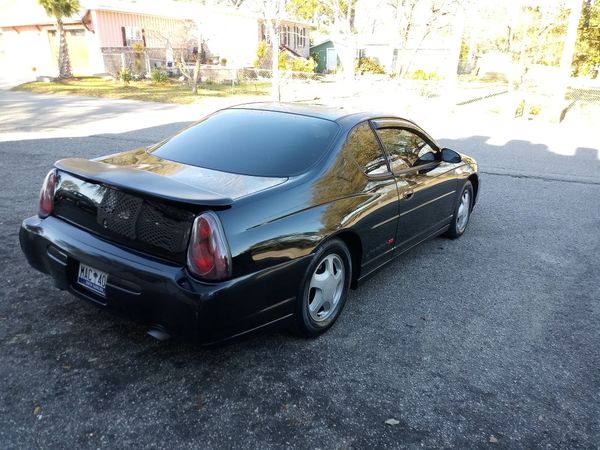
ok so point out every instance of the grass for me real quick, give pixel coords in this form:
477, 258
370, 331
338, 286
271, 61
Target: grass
171, 92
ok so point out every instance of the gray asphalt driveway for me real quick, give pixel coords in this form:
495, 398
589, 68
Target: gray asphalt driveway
489, 340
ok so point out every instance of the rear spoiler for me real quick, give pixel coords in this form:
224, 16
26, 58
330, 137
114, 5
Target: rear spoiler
141, 181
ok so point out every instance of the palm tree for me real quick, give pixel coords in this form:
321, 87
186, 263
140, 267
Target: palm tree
60, 9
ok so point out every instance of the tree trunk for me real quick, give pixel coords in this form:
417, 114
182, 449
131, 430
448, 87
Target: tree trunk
64, 63
404, 58
346, 50
195, 75
566, 61
275, 81
348, 43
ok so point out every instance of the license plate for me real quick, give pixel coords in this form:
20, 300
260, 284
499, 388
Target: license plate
92, 279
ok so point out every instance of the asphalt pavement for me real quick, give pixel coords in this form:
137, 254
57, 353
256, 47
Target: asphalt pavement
491, 340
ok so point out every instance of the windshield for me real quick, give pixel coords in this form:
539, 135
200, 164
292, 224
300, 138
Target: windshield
252, 142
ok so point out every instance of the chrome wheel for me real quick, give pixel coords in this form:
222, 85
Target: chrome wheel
462, 214
326, 288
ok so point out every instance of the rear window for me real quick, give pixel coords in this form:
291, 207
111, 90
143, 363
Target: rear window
252, 142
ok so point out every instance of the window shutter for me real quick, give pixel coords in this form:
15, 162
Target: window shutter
124, 34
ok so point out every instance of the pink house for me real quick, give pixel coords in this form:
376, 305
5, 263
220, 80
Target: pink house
118, 31
96, 38
103, 36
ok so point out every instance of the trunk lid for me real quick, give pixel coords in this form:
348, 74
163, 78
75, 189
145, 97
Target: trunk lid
144, 202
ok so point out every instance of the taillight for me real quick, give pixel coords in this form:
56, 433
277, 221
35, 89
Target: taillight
208, 253
47, 195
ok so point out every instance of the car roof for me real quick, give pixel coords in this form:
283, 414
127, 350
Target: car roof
319, 111
333, 113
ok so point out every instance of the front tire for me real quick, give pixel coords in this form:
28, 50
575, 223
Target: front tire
324, 289
462, 212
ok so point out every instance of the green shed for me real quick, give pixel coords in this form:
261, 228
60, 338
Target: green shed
326, 57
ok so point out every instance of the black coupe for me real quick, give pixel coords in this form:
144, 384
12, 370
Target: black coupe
258, 215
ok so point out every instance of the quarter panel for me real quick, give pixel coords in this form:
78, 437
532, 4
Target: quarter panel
290, 221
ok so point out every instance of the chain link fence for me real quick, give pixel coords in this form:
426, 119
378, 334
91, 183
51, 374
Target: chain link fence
294, 86
534, 96
541, 94
138, 63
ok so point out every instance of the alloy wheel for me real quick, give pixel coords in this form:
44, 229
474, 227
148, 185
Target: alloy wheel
326, 288
462, 215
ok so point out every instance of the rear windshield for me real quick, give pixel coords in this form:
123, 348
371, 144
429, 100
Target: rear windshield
252, 142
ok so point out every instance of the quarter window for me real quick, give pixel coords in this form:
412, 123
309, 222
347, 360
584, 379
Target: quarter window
404, 148
365, 150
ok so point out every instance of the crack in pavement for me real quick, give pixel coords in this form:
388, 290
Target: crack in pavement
563, 179
110, 137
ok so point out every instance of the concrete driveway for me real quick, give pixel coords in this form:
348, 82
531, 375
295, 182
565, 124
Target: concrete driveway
489, 340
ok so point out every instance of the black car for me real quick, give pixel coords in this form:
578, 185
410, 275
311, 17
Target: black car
257, 215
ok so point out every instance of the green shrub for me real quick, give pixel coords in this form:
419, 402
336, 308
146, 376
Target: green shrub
520, 108
316, 57
158, 76
534, 110
302, 65
126, 75
283, 61
420, 74
368, 64
263, 56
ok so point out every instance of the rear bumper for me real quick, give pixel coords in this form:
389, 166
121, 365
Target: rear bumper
161, 293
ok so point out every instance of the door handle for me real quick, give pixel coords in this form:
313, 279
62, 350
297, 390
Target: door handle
428, 167
407, 195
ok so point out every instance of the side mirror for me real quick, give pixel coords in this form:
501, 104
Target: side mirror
450, 156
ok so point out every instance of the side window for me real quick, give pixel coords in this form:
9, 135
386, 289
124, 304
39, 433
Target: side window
405, 148
362, 145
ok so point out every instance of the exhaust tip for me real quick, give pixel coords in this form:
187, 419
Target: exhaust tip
159, 333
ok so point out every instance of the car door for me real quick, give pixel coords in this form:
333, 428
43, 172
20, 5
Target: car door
376, 217
426, 184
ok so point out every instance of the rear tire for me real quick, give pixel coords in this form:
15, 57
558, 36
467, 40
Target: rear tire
462, 212
324, 289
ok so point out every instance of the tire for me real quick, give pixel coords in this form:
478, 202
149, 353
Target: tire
462, 212
321, 295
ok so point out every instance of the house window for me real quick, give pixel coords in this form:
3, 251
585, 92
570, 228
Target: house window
285, 32
133, 35
301, 38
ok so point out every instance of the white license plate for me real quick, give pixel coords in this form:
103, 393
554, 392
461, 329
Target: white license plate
92, 279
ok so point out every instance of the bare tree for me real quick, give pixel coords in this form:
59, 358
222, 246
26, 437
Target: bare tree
180, 42
414, 21
273, 12
235, 3
344, 33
